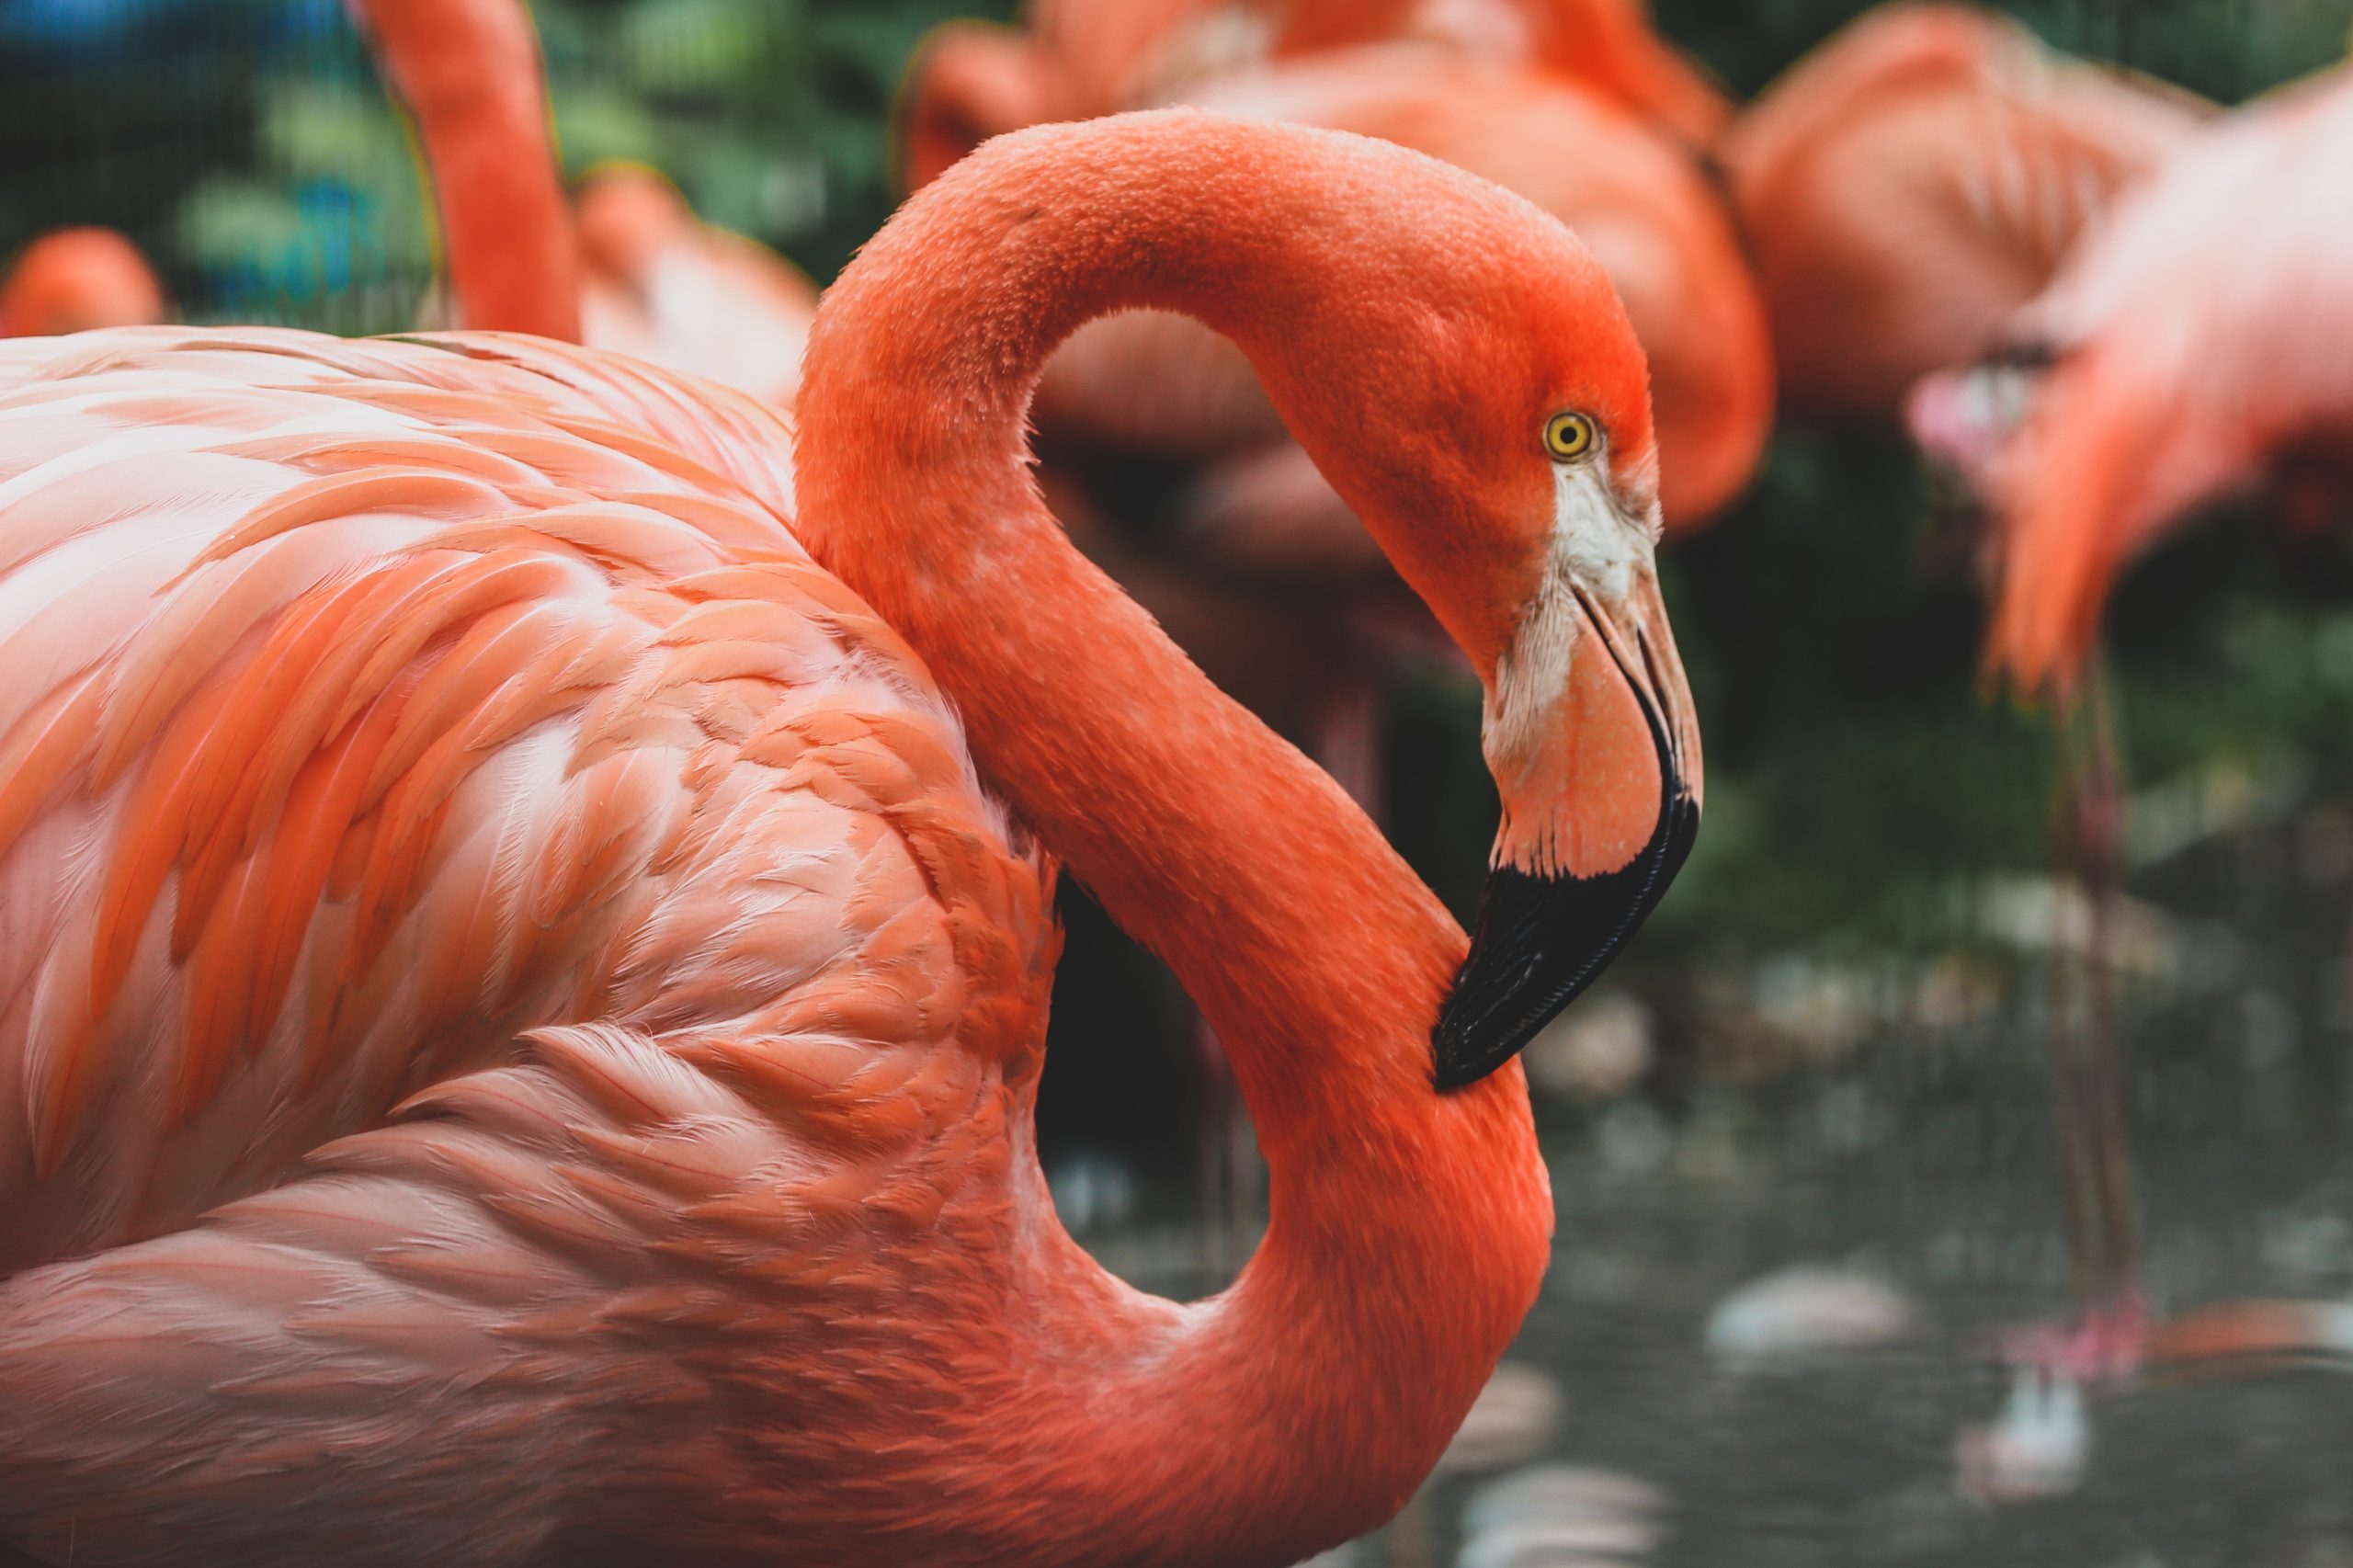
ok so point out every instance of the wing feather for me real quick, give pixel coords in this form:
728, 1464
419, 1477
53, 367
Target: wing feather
373, 704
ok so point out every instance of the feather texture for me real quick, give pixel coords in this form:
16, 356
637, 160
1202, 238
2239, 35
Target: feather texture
379, 702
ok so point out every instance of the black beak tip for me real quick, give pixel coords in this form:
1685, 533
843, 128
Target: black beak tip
1539, 941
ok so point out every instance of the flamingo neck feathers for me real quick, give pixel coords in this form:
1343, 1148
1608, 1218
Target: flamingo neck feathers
468, 72
1408, 1231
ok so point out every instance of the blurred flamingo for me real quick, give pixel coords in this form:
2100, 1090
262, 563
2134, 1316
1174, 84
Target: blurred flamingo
525, 1011
664, 286
1911, 183
469, 73
2188, 351
1076, 58
74, 279
2186, 355
634, 272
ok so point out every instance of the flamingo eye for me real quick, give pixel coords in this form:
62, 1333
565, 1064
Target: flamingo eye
1569, 437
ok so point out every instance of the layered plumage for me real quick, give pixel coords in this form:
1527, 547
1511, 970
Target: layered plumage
1912, 182
454, 726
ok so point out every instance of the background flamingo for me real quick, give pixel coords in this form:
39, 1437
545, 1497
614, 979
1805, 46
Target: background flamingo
72, 279
632, 271
666, 287
1911, 183
469, 73
2191, 347
1073, 60
541, 1067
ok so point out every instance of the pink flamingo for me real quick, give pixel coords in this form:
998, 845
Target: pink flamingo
666, 287
1911, 183
632, 271
2186, 352
1076, 59
469, 73
523, 1002
74, 279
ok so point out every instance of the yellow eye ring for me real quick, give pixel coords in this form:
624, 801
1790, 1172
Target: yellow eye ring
1569, 437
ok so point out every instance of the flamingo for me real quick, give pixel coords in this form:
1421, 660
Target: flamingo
469, 73
1496, 95
72, 279
1234, 538
1078, 58
630, 268
2246, 289
664, 286
1913, 182
2190, 351
524, 995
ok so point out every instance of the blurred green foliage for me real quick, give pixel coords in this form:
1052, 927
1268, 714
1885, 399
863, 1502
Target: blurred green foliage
248, 146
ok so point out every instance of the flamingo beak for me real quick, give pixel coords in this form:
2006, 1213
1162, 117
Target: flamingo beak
1601, 797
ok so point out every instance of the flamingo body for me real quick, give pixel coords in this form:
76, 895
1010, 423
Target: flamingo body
1910, 184
422, 713
2194, 348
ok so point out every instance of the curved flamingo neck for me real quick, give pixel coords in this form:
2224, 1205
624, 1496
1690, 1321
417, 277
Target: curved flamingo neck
469, 72
1408, 1230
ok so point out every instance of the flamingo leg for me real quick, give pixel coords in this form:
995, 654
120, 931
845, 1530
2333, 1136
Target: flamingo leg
2101, 1181
2109, 1334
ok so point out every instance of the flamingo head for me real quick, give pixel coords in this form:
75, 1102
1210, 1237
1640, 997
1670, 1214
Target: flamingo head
1962, 419
76, 280
1509, 468
626, 214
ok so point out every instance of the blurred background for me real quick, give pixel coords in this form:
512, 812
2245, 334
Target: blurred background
1803, 1138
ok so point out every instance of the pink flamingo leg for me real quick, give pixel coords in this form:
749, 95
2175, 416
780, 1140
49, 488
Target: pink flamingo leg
2109, 1336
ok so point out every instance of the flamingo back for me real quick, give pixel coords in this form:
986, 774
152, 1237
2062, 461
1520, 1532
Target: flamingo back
377, 702
484, 912
1916, 180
